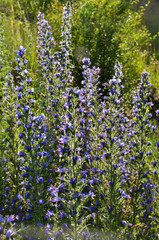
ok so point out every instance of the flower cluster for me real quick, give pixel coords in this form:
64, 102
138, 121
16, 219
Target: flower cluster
72, 159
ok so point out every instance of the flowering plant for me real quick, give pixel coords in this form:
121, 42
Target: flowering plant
73, 161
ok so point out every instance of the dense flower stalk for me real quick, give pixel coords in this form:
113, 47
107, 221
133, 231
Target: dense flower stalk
111, 150
46, 70
142, 191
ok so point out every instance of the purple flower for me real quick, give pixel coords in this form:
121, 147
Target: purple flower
62, 214
28, 217
72, 181
25, 71
1, 219
21, 135
124, 223
11, 218
28, 148
86, 61
22, 49
1, 228
39, 224
149, 152
154, 163
39, 154
40, 179
157, 144
76, 195
41, 201
9, 233
27, 194
111, 183
55, 199
49, 213
92, 208
157, 112
21, 153
109, 209
45, 165
26, 108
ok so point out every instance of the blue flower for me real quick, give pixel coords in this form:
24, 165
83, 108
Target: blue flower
111, 183
76, 195
40, 179
9, 233
25, 71
109, 209
21, 153
56, 199
45, 165
1, 228
157, 144
124, 223
1, 219
11, 218
28, 148
149, 152
26, 108
154, 163
22, 49
28, 217
92, 208
39, 154
41, 201
21, 135
39, 224
27, 194
86, 61
157, 112
62, 214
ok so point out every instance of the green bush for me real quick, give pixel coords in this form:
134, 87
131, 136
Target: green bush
112, 30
